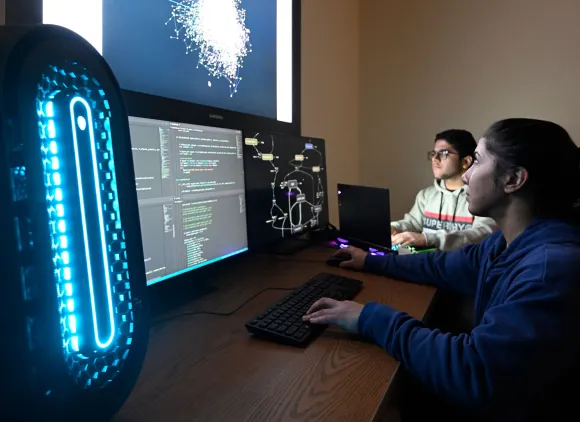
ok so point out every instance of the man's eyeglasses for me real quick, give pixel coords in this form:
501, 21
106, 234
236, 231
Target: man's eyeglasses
440, 155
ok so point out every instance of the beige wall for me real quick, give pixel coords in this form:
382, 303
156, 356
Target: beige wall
330, 86
430, 65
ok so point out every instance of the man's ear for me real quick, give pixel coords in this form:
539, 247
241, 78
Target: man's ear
466, 162
515, 179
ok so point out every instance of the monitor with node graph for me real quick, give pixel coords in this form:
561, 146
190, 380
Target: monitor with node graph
285, 188
190, 188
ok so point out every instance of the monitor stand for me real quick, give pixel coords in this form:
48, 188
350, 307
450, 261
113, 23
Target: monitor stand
289, 246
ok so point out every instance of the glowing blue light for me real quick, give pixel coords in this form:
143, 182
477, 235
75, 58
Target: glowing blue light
75, 343
70, 305
82, 123
56, 91
49, 109
51, 129
61, 226
107, 342
72, 323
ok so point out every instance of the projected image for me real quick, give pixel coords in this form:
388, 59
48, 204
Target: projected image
215, 31
220, 53
231, 54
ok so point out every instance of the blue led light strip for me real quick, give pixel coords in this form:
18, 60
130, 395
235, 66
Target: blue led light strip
111, 317
58, 215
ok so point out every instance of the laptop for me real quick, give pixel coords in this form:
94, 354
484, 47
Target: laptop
364, 215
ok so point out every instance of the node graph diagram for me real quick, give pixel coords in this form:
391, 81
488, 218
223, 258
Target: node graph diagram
297, 186
215, 30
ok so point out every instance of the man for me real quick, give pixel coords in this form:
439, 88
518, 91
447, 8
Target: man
440, 218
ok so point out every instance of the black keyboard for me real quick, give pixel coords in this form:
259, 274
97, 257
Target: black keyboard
283, 323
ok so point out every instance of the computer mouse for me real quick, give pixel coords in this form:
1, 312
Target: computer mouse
335, 260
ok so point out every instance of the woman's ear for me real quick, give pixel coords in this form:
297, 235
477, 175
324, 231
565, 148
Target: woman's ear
515, 179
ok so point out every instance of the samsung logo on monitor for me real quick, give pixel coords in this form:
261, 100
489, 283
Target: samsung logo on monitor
216, 116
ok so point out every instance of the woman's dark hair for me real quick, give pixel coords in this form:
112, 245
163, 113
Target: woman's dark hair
549, 155
460, 139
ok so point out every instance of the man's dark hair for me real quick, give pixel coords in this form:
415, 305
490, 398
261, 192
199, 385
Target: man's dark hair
460, 139
550, 157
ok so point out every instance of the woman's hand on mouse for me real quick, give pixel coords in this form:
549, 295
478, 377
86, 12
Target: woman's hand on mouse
345, 314
357, 258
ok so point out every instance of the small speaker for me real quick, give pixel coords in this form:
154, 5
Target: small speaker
73, 306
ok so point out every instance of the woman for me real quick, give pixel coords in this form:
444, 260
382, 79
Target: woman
522, 359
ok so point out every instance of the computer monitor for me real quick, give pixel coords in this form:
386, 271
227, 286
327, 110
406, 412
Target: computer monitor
190, 190
231, 54
285, 186
364, 215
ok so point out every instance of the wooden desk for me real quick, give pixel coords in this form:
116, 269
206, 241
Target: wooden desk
208, 368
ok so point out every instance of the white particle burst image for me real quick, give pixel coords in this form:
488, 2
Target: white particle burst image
216, 30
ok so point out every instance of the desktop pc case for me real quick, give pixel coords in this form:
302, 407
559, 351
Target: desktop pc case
72, 299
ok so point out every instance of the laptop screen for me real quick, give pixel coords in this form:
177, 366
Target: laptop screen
365, 214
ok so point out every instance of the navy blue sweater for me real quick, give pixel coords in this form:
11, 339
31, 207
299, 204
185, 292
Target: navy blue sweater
521, 361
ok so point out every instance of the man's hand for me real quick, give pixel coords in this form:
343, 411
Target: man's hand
345, 314
357, 258
409, 239
393, 231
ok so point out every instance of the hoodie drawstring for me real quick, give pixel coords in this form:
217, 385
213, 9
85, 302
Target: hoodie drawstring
440, 206
456, 204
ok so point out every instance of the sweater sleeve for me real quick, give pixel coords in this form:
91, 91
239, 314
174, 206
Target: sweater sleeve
453, 240
453, 271
413, 220
496, 366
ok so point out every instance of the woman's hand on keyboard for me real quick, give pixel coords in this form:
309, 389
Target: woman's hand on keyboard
345, 314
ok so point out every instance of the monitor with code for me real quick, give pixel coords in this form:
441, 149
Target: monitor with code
190, 187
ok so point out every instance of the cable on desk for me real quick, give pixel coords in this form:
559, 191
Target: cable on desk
282, 259
316, 261
184, 314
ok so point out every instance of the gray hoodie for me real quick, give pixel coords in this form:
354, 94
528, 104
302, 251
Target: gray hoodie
443, 217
